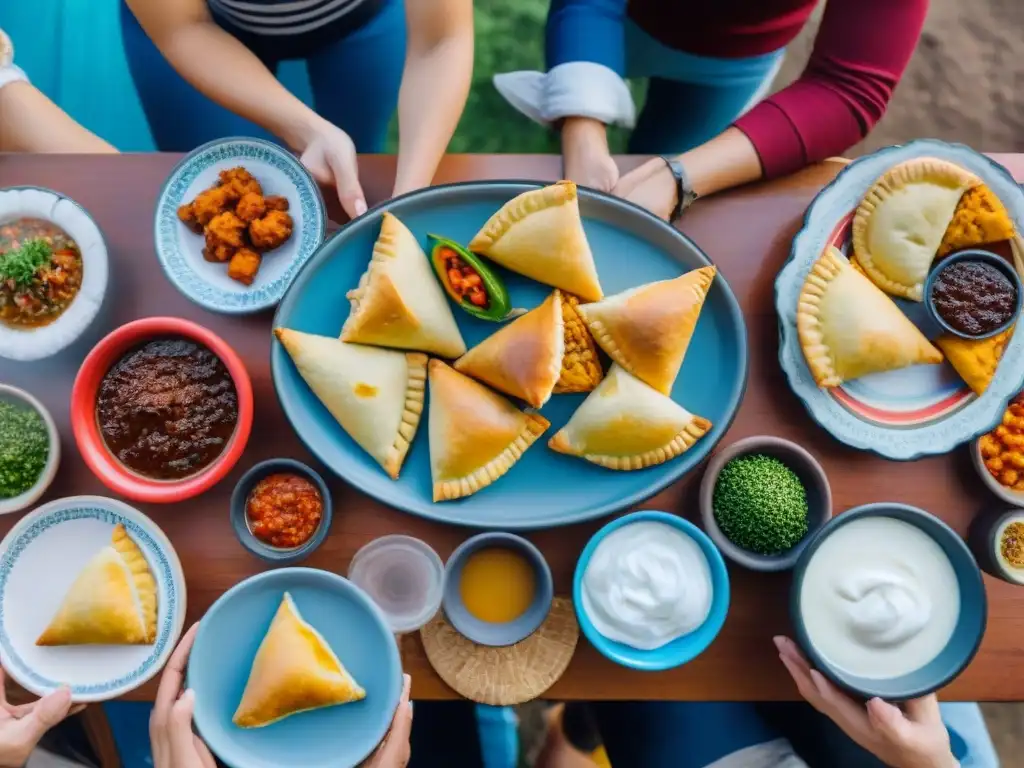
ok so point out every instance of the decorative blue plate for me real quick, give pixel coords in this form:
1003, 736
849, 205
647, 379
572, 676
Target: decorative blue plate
180, 251
226, 644
631, 247
39, 560
917, 411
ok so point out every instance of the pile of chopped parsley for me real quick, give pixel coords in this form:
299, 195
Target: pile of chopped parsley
760, 504
22, 264
24, 448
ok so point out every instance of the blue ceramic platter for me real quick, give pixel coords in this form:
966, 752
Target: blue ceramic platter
917, 411
544, 489
226, 644
180, 251
40, 559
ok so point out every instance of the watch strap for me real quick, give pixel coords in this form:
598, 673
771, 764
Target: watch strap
684, 191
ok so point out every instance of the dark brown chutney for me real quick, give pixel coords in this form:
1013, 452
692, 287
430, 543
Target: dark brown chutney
167, 409
973, 297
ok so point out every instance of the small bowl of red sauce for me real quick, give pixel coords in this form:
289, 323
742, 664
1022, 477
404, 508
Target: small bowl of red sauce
281, 510
974, 294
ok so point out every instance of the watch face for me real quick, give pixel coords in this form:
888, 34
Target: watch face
6, 50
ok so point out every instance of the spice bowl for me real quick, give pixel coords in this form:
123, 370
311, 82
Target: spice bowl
19, 397
982, 257
241, 522
805, 468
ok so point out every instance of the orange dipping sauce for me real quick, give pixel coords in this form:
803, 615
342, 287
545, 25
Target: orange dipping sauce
284, 510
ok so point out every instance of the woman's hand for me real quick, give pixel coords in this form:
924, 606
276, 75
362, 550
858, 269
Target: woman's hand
913, 737
651, 186
585, 154
170, 726
330, 155
395, 751
22, 726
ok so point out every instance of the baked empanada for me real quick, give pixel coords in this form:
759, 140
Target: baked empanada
376, 395
848, 327
540, 234
900, 222
980, 218
626, 424
647, 329
294, 671
398, 302
975, 360
476, 435
112, 602
523, 358
581, 364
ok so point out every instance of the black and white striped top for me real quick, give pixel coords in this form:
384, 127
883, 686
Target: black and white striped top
283, 17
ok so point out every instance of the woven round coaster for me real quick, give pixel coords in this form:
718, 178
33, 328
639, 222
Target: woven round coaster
509, 675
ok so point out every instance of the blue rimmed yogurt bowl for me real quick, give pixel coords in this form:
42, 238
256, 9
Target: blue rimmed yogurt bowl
676, 652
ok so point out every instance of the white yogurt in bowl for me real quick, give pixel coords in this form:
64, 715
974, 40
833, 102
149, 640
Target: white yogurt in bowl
647, 584
879, 598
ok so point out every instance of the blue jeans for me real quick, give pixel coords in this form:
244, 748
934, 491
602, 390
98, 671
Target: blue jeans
355, 82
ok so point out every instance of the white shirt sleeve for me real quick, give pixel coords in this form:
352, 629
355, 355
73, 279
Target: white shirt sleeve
9, 72
573, 89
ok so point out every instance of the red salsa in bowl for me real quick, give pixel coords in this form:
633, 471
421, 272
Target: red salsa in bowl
284, 510
41, 272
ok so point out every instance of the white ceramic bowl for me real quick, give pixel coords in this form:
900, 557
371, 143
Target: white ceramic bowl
40, 203
31, 496
1010, 496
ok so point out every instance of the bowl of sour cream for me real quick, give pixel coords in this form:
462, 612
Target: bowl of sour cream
887, 600
651, 591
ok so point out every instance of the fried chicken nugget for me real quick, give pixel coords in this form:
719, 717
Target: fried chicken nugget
187, 216
226, 228
240, 182
251, 206
210, 203
276, 202
271, 231
219, 252
244, 265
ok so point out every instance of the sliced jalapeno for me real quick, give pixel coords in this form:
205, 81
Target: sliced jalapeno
469, 281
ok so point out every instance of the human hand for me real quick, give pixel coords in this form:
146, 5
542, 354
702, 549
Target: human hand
585, 154
170, 725
395, 751
651, 186
913, 737
330, 156
22, 726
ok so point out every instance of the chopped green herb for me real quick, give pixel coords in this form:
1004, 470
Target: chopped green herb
24, 448
760, 504
22, 264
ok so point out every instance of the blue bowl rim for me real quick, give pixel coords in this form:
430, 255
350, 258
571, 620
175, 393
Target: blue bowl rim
352, 591
987, 257
517, 629
240, 494
720, 599
736, 396
880, 509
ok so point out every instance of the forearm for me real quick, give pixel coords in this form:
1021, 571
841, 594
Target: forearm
435, 85
725, 161
33, 123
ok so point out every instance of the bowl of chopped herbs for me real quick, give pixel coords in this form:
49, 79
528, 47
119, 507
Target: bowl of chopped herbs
29, 449
762, 499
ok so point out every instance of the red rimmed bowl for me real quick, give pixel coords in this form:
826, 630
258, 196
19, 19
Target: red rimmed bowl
91, 445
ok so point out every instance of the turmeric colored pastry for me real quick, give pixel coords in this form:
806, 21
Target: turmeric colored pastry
112, 602
581, 365
294, 671
250, 207
226, 228
244, 265
975, 360
271, 231
980, 218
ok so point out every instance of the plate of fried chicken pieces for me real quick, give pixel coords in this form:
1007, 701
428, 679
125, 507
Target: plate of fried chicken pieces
234, 222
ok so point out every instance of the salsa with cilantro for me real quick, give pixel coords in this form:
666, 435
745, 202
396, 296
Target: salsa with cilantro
24, 448
40, 272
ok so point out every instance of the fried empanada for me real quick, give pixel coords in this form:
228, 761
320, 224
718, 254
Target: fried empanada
980, 219
975, 360
581, 364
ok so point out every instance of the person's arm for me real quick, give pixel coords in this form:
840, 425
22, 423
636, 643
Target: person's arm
435, 86
223, 69
33, 123
860, 53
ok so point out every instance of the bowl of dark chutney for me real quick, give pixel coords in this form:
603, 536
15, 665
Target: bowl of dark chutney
974, 294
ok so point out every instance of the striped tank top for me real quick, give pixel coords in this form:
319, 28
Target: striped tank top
287, 18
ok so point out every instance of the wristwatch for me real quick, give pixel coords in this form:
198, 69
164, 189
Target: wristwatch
684, 192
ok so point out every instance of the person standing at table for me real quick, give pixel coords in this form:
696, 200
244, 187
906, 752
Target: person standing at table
29, 121
204, 70
709, 66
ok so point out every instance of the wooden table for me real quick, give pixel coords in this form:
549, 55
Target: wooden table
747, 233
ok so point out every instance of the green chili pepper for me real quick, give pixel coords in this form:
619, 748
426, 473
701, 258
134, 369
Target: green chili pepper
497, 307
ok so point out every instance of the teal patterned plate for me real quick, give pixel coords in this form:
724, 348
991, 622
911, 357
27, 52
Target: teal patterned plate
180, 251
40, 559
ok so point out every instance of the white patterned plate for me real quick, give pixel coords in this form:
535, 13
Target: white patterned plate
39, 560
180, 251
919, 411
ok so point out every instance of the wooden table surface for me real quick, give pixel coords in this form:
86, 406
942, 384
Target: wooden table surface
747, 233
